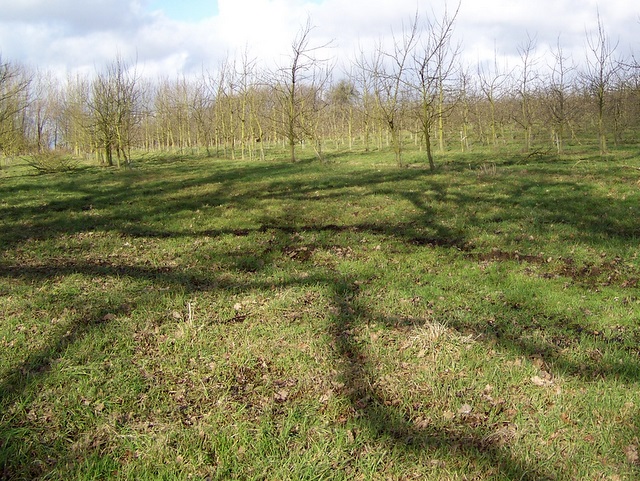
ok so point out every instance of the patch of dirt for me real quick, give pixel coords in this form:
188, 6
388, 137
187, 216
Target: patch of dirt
299, 253
441, 242
608, 272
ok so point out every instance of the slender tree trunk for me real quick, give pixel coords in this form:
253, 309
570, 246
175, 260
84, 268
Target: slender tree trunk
440, 120
427, 140
602, 137
396, 141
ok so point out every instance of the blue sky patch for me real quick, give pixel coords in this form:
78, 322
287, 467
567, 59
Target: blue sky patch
186, 10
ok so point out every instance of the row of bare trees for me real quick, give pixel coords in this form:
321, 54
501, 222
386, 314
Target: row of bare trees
411, 88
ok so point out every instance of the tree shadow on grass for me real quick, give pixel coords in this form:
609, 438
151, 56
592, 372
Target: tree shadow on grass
388, 424
104, 202
18, 458
384, 423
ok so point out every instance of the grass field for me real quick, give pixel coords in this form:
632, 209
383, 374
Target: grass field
207, 319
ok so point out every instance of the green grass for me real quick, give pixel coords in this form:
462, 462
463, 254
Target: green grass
196, 318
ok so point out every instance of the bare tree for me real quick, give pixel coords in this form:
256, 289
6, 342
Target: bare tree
237, 105
365, 99
225, 106
14, 99
492, 82
601, 69
628, 101
260, 102
433, 63
43, 111
245, 88
297, 85
113, 104
342, 97
557, 99
75, 115
388, 69
465, 98
172, 103
202, 108
525, 87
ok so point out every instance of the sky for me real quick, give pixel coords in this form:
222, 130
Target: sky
168, 38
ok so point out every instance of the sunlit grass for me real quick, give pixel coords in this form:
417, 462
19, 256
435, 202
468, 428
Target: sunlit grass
348, 319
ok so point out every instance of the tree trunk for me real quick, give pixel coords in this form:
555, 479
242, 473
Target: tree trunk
427, 139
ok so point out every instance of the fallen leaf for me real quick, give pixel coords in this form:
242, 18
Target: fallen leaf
448, 415
422, 423
326, 396
538, 381
545, 375
631, 452
555, 435
501, 436
237, 306
465, 409
282, 395
537, 362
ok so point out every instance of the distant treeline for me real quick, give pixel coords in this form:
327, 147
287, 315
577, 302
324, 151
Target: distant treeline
414, 90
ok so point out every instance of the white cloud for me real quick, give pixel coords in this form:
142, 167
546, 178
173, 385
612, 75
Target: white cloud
75, 16
81, 35
506, 23
265, 28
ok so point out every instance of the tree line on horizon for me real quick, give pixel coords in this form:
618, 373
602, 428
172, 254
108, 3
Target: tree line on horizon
411, 89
